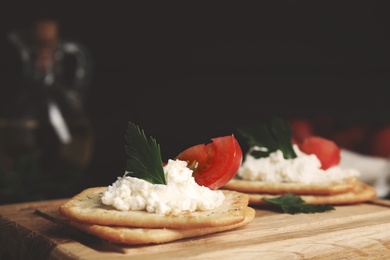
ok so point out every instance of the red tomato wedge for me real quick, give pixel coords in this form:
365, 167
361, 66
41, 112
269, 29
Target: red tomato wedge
215, 163
300, 129
326, 150
379, 143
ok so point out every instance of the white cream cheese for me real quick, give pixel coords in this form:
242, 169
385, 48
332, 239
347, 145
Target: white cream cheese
303, 169
180, 194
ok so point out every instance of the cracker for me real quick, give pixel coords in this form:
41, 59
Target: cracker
132, 236
248, 186
361, 193
87, 207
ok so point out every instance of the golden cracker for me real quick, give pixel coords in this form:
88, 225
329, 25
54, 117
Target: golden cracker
361, 193
87, 207
249, 186
132, 236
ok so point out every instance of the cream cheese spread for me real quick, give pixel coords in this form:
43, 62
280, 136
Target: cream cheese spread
304, 169
180, 194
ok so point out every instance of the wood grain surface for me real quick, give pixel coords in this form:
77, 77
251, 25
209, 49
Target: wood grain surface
33, 231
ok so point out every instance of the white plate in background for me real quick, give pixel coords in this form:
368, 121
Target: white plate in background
374, 171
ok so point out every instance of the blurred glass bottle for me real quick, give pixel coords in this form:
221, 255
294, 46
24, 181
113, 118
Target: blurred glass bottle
46, 139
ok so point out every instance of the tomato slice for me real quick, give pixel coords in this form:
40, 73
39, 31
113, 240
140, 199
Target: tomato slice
215, 163
300, 129
326, 150
379, 143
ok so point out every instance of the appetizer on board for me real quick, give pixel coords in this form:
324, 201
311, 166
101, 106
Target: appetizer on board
156, 202
276, 165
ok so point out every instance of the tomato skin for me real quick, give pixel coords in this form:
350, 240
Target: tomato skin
326, 150
217, 162
379, 143
351, 138
300, 129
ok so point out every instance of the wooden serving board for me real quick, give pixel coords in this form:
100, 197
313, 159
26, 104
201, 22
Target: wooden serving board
359, 231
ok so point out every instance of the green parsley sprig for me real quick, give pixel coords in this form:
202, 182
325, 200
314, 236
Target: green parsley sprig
292, 204
144, 156
273, 135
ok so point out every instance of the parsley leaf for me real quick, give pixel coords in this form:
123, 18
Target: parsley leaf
144, 154
292, 204
270, 136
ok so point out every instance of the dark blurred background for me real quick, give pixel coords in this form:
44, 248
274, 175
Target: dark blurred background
188, 71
